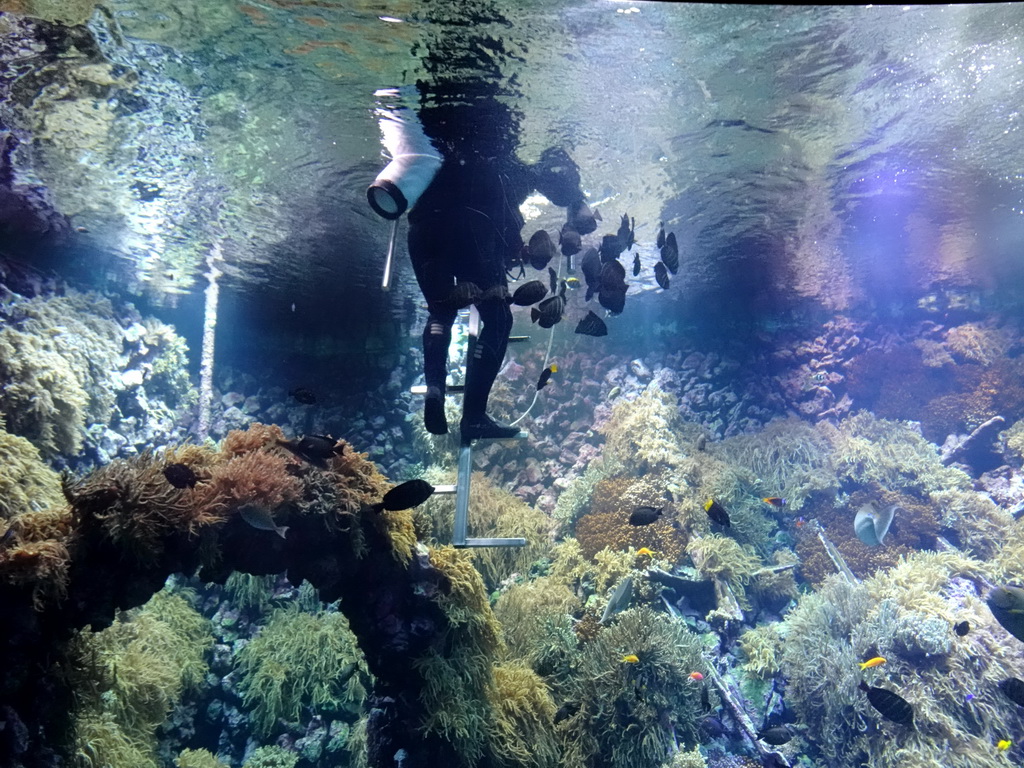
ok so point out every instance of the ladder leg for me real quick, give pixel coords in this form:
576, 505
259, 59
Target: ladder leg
462, 494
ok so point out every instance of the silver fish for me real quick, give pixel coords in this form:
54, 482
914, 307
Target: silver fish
261, 519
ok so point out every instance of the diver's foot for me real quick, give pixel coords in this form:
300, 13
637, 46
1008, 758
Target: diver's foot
485, 428
433, 412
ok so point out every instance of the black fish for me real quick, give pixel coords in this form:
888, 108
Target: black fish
180, 475
705, 698
717, 513
566, 711
549, 311
553, 280
962, 628
1007, 605
569, 241
541, 250
636, 265
545, 376
613, 301
645, 515
590, 264
582, 219
1014, 690
529, 293
462, 295
777, 735
890, 705
315, 449
303, 395
611, 247
409, 494
661, 235
626, 233
661, 275
670, 253
592, 325
613, 276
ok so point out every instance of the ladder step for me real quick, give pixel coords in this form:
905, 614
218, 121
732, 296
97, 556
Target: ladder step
451, 389
517, 542
445, 488
521, 435
517, 339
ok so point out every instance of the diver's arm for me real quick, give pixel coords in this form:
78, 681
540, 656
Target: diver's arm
557, 177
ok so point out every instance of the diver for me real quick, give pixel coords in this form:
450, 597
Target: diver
464, 237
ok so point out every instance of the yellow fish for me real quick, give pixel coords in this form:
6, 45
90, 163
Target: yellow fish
630, 658
1003, 744
644, 551
875, 662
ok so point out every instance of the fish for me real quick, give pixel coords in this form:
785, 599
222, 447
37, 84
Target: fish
566, 711
1007, 605
303, 395
661, 275
553, 280
529, 293
877, 661
627, 232
590, 265
572, 282
612, 293
259, 517
462, 295
717, 513
889, 705
619, 600
705, 698
636, 264
180, 475
644, 551
549, 312
1014, 690
592, 325
614, 392
696, 676
670, 253
1003, 744
660, 242
582, 219
545, 376
407, 495
540, 249
775, 501
611, 247
630, 658
777, 735
315, 449
645, 515
962, 628
569, 241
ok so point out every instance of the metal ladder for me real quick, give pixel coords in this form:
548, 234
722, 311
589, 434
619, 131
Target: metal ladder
460, 538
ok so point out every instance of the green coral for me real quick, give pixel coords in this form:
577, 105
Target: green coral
271, 757
904, 614
524, 720
762, 649
631, 714
27, 484
536, 623
249, 591
300, 660
128, 677
892, 454
681, 759
646, 433
60, 362
198, 758
721, 557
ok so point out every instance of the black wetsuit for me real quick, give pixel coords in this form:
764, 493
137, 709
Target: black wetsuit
467, 228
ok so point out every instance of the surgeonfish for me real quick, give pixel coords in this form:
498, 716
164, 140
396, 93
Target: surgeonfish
661, 275
315, 449
776, 735
529, 293
961, 628
592, 325
407, 495
1007, 605
545, 376
619, 600
717, 513
540, 250
890, 705
303, 395
259, 517
180, 475
645, 515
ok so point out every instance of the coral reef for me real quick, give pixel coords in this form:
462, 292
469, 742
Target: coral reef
26, 483
300, 660
198, 758
536, 623
524, 720
641, 433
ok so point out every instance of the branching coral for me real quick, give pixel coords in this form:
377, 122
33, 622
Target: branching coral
981, 527
300, 660
536, 623
575, 499
630, 715
720, 557
977, 344
271, 757
762, 649
198, 758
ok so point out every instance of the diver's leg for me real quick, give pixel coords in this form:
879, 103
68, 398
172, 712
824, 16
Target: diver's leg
482, 369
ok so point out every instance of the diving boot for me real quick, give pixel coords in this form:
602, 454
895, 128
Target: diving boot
433, 412
484, 427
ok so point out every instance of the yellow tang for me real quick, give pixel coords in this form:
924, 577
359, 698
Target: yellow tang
875, 662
